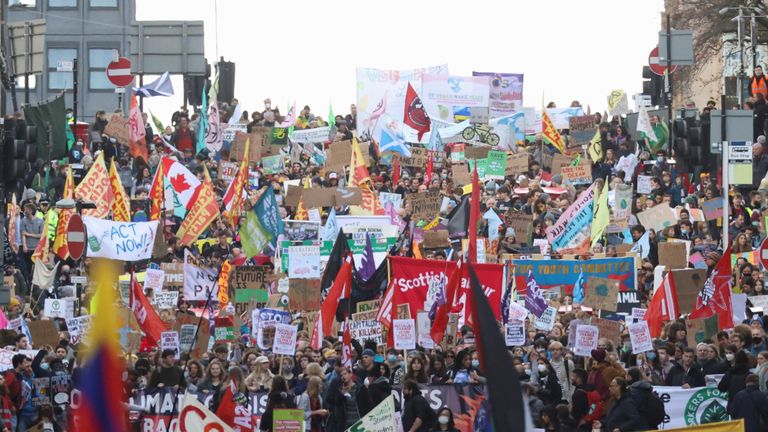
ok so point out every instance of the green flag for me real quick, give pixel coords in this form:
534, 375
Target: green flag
331, 117
52, 113
253, 237
158, 124
381, 418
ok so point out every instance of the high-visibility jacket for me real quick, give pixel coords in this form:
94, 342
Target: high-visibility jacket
759, 85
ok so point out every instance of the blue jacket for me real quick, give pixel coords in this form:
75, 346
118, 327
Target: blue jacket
624, 416
749, 404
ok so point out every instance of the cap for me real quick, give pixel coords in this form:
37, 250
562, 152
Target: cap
262, 359
328, 353
378, 179
333, 175
369, 352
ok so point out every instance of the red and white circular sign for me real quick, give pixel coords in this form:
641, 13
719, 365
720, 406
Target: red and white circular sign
764, 253
119, 72
76, 237
656, 67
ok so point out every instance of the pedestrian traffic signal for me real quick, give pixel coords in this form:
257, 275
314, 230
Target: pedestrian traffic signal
653, 85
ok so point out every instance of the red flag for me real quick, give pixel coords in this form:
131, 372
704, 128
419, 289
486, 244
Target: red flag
430, 169
148, 320
415, 115
437, 332
663, 306
715, 297
340, 289
138, 138
474, 217
226, 409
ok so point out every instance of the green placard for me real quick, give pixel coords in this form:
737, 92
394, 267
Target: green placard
288, 420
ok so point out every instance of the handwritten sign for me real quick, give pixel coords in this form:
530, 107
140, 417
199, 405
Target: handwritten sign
363, 330
153, 279
285, 339
124, 241
547, 319
609, 329
517, 164
577, 175
249, 283
78, 328
644, 184
166, 299
586, 339
601, 293
640, 337
658, 217
404, 333
424, 205
119, 128
581, 129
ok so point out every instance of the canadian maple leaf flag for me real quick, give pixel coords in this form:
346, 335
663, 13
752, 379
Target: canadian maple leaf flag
182, 181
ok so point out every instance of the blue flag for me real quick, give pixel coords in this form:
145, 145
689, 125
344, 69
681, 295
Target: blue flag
331, 229
435, 142
391, 142
269, 215
506, 298
578, 289
202, 124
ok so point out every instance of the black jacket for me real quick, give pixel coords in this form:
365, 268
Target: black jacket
734, 381
417, 407
678, 376
379, 390
335, 402
750, 404
624, 416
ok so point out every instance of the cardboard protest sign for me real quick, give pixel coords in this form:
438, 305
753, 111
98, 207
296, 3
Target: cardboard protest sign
577, 175
522, 224
119, 128
658, 217
340, 154
586, 339
319, 197
227, 171
44, 332
461, 175
404, 333
424, 205
436, 239
559, 161
609, 329
285, 339
581, 129
173, 276
517, 164
367, 310
601, 293
471, 152
348, 196
249, 283
640, 337
699, 329
713, 209
514, 333
304, 294
688, 284
419, 158
673, 255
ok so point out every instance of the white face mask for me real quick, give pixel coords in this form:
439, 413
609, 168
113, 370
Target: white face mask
542, 368
443, 420
729, 356
639, 362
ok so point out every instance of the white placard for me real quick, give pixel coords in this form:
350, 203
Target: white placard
304, 262
154, 278
59, 308
170, 340
123, 241
82, 280
547, 319
198, 283
78, 328
404, 334
644, 184
285, 339
394, 198
638, 314
586, 339
517, 312
514, 333
166, 299
362, 330
640, 337
314, 215
423, 327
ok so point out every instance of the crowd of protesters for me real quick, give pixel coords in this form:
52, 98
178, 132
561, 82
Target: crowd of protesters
610, 390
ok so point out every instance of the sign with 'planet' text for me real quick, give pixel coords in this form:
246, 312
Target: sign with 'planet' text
125, 241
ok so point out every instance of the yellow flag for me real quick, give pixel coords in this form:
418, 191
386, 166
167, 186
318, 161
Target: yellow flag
550, 133
104, 273
60, 247
601, 215
204, 211
596, 147
727, 426
301, 211
121, 206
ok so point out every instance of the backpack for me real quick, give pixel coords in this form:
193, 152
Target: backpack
652, 410
595, 406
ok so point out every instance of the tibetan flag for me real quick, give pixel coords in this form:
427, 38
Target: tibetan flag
234, 194
204, 210
550, 134
138, 136
157, 195
715, 297
60, 247
505, 394
415, 114
95, 187
101, 391
601, 215
121, 206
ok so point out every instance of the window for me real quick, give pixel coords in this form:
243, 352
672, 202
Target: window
60, 80
103, 3
62, 3
98, 59
19, 4
20, 83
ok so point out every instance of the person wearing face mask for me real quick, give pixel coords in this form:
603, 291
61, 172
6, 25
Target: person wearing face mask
563, 368
444, 421
549, 388
758, 342
735, 378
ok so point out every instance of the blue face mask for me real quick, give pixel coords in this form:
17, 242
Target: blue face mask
650, 355
391, 358
45, 366
475, 363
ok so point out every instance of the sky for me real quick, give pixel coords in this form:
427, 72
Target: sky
307, 52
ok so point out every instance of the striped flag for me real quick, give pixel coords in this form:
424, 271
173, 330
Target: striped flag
159, 87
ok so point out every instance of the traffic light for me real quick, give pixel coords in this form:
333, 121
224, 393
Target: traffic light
19, 152
193, 86
226, 81
653, 85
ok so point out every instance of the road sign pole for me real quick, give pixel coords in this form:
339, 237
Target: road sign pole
668, 80
726, 187
74, 92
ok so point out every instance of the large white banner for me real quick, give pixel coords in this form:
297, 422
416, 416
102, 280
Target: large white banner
446, 95
690, 407
124, 241
381, 96
199, 281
